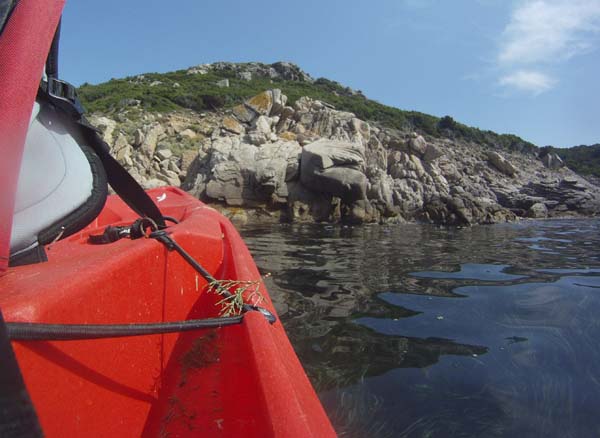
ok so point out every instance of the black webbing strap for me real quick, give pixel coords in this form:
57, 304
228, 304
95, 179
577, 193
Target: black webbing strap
119, 179
163, 237
6, 8
30, 331
52, 60
17, 414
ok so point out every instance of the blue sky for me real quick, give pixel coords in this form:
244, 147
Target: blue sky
528, 67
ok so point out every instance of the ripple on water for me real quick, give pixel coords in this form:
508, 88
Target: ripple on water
421, 331
473, 271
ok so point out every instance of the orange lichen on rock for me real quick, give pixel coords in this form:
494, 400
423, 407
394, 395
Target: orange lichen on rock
262, 103
232, 125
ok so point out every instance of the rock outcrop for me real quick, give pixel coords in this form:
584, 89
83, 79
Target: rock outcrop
335, 168
552, 161
277, 70
501, 163
311, 162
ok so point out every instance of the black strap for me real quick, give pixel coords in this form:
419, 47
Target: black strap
17, 414
29, 331
63, 96
6, 8
163, 237
52, 60
120, 180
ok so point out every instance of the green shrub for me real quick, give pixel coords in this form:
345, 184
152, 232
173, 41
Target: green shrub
199, 92
581, 159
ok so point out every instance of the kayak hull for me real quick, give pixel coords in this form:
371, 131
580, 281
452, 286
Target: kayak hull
242, 380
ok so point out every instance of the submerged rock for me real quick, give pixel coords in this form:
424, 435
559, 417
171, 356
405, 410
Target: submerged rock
537, 210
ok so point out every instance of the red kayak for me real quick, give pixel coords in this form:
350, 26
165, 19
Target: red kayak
240, 380
108, 328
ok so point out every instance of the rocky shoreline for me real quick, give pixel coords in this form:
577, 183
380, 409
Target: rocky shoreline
309, 162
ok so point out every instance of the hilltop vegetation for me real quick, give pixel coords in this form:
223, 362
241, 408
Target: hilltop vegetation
286, 153
163, 92
582, 159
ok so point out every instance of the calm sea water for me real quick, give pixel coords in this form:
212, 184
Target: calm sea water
419, 331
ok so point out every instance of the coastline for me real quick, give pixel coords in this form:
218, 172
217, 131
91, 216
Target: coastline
241, 216
265, 160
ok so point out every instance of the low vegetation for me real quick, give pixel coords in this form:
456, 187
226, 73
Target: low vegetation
582, 159
162, 92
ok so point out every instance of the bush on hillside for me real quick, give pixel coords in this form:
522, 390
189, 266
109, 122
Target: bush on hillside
199, 92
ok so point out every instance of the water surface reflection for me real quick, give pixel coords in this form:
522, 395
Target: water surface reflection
414, 330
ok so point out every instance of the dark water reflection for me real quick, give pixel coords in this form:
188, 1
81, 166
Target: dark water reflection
413, 330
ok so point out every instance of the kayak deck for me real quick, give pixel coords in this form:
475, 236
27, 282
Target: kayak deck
230, 381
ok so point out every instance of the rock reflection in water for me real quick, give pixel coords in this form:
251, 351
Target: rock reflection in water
413, 330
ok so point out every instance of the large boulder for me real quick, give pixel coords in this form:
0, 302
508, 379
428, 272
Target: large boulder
151, 136
322, 120
228, 183
279, 101
121, 149
417, 145
190, 134
305, 205
243, 113
537, 210
170, 177
187, 158
375, 153
232, 125
432, 152
334, 167
290, 72
408, 196
164, 154
231, 171
232, 149
501, 163
552, 161
105, 125
277, 163
381, 190
262, 103
267, 103
245, 75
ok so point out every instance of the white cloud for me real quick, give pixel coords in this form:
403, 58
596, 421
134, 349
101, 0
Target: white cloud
549, 30
543, 32
529, 81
